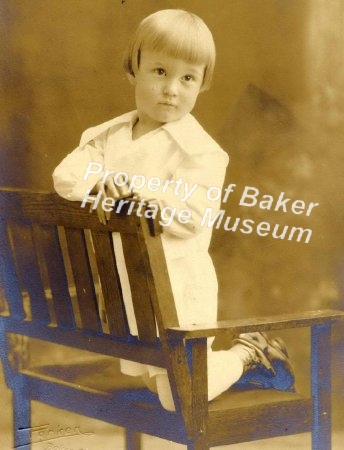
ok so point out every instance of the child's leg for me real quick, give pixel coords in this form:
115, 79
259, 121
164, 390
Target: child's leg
253, 361
150, 382
225, 367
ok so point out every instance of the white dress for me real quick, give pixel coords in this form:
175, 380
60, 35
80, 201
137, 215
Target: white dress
180, 149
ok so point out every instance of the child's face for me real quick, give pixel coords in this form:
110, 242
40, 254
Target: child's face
166, 88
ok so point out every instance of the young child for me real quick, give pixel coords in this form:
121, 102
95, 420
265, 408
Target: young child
169, 61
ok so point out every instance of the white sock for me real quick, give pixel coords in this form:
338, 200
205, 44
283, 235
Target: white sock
225, 367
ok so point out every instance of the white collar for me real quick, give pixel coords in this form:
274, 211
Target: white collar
187, 132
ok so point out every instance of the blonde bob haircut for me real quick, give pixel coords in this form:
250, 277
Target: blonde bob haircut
180, 34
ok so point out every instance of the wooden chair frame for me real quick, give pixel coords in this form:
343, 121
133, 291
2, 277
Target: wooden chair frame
42, 242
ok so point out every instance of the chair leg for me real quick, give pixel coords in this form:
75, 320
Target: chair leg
197, 445
21, 421
321, 387
132, 440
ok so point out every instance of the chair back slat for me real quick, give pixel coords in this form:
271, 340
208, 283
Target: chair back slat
70, 265
158, 281
110, 283
84, 284
8, 276
50, 249
29, 270
136, 263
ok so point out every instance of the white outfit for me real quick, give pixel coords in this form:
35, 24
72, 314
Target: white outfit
180, 149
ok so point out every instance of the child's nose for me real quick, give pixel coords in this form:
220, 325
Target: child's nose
171, 87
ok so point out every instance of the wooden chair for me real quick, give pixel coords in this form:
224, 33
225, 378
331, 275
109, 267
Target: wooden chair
50, 283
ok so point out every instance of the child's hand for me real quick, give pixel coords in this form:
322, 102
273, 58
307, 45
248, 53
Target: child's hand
102, 215
109, 189
116, 191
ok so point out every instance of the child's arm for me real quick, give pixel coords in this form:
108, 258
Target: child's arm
68, 175
206, 170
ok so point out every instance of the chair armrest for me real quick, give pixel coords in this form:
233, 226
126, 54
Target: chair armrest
267, 323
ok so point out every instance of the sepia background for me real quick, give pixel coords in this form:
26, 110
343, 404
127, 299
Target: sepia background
276, 106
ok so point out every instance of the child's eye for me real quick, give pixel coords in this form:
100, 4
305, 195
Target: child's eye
188, 78
160, 71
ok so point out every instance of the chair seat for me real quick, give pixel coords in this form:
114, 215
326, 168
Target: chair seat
261, 413
234, 398
102, 375
98, 373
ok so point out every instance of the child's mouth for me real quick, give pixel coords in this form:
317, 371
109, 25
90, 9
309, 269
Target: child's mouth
170, 105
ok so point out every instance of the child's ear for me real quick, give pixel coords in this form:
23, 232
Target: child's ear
131, 78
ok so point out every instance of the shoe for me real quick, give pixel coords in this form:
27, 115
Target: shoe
267, 365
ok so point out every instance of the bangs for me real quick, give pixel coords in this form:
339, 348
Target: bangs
181, 42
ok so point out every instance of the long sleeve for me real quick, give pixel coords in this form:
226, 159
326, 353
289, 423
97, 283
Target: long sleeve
68, 177
206, 171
